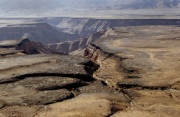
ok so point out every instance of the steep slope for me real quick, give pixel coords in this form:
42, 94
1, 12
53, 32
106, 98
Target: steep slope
38, 32
95, 27
80, 26
80, 44
85, 27
30, 47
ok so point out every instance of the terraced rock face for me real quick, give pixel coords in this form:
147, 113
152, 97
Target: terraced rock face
69, 47
85, 26
31, 82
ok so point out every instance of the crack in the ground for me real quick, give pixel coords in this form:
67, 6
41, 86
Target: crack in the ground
60, 100
129, 73
25, 66
137, 86
83, 77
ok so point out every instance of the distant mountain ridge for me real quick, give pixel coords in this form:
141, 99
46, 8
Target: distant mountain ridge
149, 4
120, 4
86, 4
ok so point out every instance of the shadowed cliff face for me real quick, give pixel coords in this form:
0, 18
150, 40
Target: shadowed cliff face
57, 30
30, 47
38, 32
84, 27
70, 46
25, 46
96, 28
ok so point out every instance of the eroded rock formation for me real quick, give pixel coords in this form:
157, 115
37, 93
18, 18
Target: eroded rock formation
25, 46
136, 74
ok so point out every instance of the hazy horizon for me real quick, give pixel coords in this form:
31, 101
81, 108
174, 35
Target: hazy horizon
111, 9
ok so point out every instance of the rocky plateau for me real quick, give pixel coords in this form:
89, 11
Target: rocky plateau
136, 74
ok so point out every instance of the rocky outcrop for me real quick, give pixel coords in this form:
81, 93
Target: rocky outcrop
26, 46
77, 45
30, 47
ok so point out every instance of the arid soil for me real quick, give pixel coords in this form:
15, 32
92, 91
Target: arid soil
143, 62
29, 84
136, 75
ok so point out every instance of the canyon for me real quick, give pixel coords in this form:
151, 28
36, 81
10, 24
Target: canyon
135, 73
92, 29
89, 58
66, 35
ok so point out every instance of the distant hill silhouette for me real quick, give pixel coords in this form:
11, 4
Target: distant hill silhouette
86, 4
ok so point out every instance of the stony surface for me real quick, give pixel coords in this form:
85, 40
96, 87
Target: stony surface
148, 56
152, 103
29, 83
38, 65
143, 62
9, 52
94, 105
